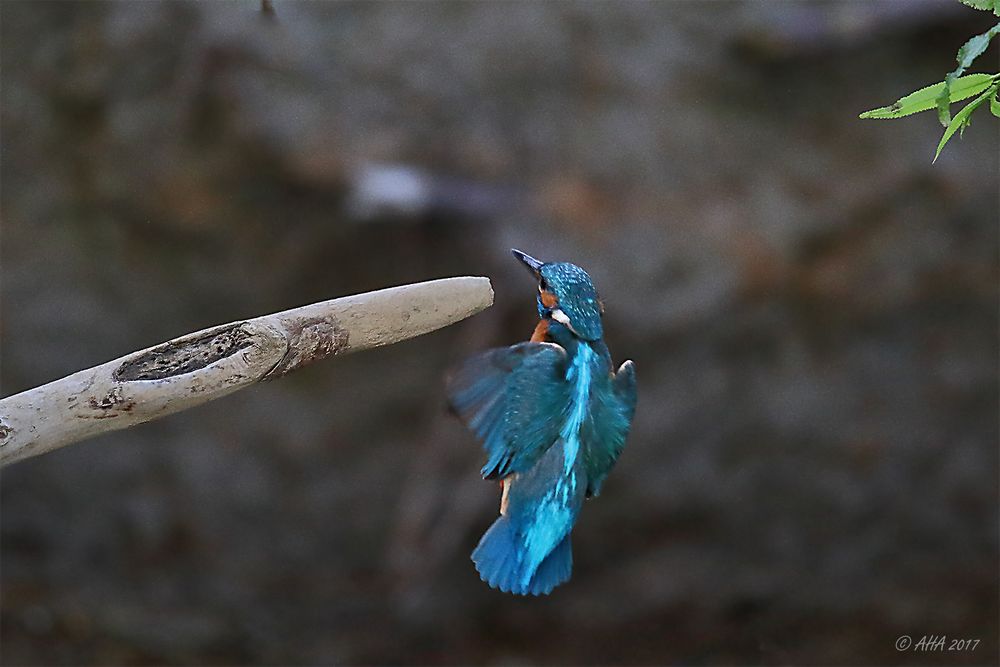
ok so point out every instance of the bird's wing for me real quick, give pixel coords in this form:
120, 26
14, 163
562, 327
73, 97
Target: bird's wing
513, 399
607, 425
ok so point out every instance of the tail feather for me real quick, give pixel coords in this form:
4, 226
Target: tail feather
497, 557
554, 570
499, 563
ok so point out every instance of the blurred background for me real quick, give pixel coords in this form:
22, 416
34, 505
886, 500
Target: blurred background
811, 305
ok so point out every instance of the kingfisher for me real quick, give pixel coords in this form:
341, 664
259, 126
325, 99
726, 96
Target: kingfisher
552, 415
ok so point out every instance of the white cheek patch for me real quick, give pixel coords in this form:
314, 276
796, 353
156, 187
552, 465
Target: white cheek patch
559, 316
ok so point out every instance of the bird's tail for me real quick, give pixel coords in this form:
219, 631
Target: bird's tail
499, 561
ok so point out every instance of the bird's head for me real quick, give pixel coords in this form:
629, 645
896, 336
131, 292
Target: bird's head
566, 295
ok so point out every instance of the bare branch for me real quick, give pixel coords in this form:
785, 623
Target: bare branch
208, 364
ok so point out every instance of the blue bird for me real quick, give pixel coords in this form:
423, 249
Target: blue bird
553, 417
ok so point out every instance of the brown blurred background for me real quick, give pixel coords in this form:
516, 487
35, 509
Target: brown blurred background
812, 307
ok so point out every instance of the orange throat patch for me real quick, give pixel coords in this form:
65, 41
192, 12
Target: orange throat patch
541, 333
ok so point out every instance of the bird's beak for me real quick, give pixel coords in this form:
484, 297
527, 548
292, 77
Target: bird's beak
533, 264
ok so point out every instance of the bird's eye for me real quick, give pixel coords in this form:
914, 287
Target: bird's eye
542, 285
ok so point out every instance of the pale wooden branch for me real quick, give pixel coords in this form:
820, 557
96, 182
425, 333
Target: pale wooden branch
211, 363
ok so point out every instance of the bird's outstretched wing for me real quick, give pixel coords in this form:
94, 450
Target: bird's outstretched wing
513, 398
606, 426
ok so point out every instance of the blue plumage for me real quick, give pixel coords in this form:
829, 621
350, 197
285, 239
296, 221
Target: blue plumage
553, 418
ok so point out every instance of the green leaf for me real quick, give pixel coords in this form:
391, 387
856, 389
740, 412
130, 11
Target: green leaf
961, 119
943, 101
926, 98
986, 5
971, 50
975, 47
995, 105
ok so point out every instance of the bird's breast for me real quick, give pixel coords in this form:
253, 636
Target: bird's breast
541, 333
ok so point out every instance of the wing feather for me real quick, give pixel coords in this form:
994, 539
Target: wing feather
513, 399
607, 425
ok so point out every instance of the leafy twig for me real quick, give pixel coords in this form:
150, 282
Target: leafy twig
955, 87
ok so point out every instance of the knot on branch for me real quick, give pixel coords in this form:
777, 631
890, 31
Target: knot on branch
185, 355
309, 339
